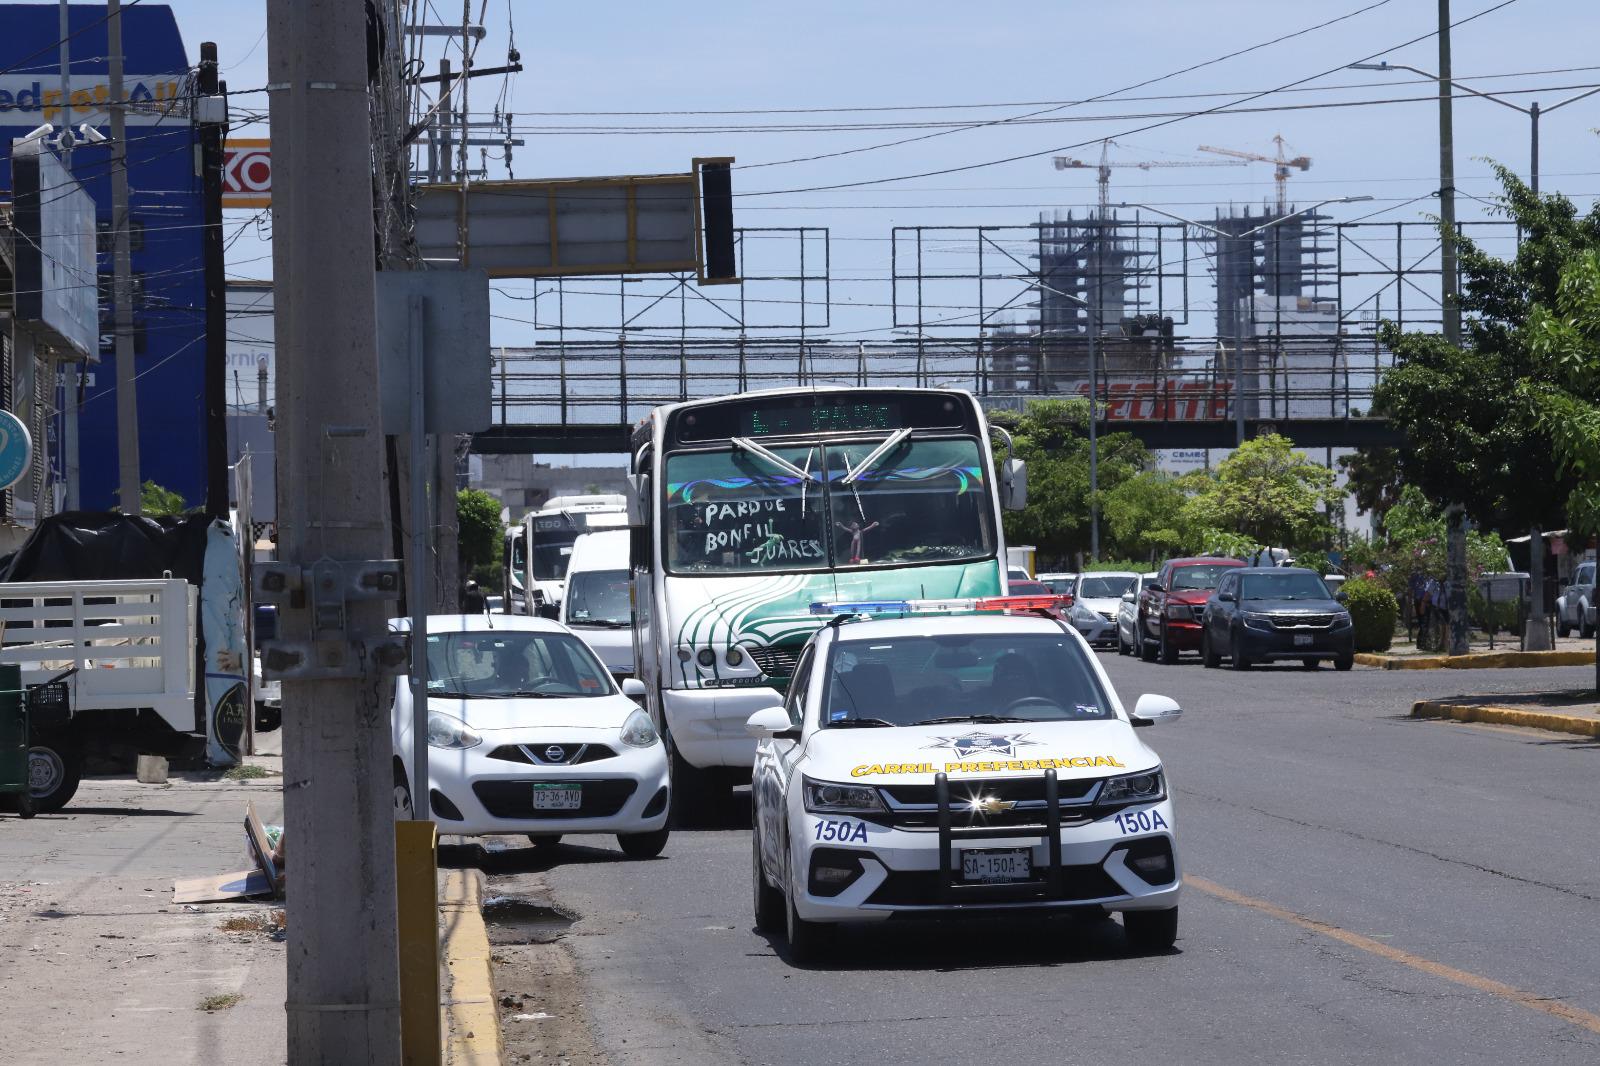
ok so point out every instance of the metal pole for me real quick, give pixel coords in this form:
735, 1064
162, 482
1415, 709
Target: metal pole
122, 276
1094, 437
1447, 187
1533, 154
74, 370
212, 259
342, 1002
420, 575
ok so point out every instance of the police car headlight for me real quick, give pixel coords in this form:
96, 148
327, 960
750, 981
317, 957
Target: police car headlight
639, 731
1146, 787
451, 733
828, 797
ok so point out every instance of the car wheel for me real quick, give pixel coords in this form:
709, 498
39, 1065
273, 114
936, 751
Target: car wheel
1167, 652
54, 766
1123, 647
1148, 650
1563, 627
694, 791
1151, 930
808, 941
1585, 630
544, 841
1240, 660
402, 794
1344, 662
643, 845
1208, 656
1310, 664
769, 902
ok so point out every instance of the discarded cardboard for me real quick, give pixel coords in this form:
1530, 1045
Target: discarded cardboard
265, 880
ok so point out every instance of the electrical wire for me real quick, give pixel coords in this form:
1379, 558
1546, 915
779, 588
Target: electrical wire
1125, 133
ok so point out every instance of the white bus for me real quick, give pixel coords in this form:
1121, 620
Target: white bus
538, 549
748, 509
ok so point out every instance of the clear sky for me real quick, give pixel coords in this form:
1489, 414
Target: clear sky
1029, 54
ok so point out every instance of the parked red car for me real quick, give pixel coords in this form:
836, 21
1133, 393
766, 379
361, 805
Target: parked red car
1172, 606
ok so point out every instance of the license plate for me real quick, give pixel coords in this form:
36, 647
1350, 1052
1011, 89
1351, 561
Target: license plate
1006, 864
557, 797
1301, 639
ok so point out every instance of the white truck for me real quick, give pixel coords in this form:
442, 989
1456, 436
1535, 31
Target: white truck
540, 547
127, 650
598, 606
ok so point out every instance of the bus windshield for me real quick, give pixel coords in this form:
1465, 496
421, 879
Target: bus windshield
555, 533
921, 501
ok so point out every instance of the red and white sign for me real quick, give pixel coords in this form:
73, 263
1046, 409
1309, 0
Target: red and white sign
1150, 401
247, 173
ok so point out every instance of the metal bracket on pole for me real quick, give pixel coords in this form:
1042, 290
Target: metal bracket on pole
327, 587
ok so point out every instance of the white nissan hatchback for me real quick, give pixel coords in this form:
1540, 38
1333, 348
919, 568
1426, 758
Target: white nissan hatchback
528, 733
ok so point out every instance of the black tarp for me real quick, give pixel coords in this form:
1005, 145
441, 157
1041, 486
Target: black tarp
104, 546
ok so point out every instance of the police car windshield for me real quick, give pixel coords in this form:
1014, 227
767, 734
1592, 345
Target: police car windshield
950, 678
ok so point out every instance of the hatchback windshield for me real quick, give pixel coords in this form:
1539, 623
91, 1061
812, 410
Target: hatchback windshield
1200, 576
1282, 587
497, 664
961, 677
922, 501
1104, 587
598, 598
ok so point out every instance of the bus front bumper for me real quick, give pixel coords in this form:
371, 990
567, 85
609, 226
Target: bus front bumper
707, 725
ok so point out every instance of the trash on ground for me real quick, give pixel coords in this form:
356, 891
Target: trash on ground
266, 879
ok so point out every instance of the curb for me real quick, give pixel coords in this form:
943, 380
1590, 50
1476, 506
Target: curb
1491, 660
470, 1016
1480, 712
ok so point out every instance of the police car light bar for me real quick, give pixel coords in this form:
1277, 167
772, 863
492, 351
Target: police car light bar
956, 606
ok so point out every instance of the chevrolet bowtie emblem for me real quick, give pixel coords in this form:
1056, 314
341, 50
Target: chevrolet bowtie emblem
992, 805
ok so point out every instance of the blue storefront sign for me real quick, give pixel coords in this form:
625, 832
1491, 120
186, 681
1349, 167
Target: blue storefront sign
165, 213
16, 450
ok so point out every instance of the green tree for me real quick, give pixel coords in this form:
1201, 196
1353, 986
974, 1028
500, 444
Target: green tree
481, 538
1477, 434
1374, 478
155, 500
1053, 436
1143, 517
1266, 493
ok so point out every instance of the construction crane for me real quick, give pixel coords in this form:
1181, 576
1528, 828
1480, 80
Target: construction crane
1067, 162
1280, 161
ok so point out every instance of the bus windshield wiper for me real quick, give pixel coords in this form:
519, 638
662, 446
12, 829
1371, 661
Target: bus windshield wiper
598, 623
745, 444
877, 453
986, 719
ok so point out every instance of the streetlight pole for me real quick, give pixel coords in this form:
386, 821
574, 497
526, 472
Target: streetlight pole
1448, 282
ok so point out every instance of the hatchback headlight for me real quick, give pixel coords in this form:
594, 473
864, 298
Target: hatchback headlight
445, 731
827, 797
1147, 786
639, 731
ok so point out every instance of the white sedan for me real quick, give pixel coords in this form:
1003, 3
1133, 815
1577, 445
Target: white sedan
528, 733
940, 765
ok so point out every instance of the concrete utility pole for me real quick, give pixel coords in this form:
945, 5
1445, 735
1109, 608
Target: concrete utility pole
1448, 295
128, 481
213, 124
343, 995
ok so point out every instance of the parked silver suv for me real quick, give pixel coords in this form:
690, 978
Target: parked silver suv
1575, 605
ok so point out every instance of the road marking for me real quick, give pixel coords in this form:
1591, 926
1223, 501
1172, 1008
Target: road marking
1544, 1004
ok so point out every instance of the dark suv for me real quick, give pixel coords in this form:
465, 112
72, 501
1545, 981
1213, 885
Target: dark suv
1259, 614
1171, 606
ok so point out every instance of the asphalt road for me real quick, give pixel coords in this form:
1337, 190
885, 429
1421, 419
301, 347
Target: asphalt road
1360, 888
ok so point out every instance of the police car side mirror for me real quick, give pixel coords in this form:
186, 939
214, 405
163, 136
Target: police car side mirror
770, 722
1152, 709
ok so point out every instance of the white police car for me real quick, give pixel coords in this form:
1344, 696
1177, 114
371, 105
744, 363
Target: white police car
929, 759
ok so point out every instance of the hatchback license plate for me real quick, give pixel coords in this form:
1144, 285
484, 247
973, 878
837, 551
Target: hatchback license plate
557, 797
1302, 639
1001, 864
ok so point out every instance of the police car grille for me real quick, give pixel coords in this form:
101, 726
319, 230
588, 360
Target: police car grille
776, 661
917, 806
914, 888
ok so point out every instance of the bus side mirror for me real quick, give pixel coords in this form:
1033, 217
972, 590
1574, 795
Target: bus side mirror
636, 502
1014, 484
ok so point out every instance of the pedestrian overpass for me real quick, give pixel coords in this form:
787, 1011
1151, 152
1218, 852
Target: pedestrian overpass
585, 397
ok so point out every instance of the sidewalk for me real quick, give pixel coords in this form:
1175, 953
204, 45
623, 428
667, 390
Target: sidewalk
1576, 712
1404, 655
98, 965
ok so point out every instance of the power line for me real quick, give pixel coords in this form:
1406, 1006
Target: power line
1124, 133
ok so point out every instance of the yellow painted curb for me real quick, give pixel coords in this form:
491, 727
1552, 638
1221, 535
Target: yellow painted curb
471, 1019
1489, 660
1478, 712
